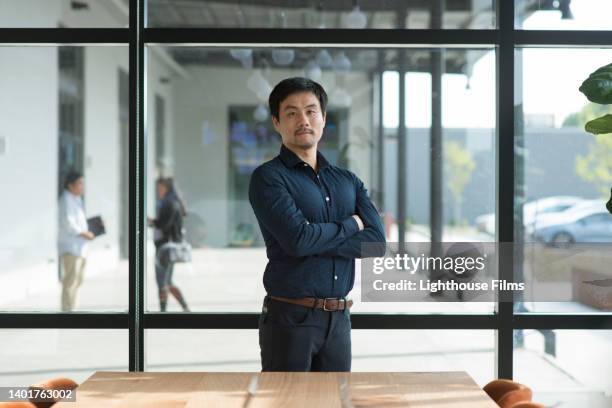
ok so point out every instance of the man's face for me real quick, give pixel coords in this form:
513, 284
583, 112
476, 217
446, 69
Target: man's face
77, 187
300, 121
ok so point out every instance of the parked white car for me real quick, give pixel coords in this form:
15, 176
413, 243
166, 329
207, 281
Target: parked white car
588, 221
532, 212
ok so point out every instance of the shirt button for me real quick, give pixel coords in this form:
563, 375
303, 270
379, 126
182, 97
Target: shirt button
326, 198
305, 164
336, 277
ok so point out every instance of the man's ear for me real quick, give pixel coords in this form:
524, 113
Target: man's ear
276, 123
324, 118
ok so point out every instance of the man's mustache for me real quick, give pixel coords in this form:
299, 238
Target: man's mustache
304, 131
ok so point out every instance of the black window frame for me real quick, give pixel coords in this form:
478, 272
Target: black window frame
505, 38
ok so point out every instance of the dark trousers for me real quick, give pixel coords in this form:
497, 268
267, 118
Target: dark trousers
163, 268
297, 338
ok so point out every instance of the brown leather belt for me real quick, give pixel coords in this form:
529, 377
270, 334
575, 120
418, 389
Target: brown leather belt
327, 304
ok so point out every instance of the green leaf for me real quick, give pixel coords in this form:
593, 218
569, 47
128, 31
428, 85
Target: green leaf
598, 86
605, 68
600, 126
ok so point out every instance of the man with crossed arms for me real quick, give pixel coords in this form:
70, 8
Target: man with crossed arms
314, 217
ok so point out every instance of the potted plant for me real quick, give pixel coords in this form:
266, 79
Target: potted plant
598, 89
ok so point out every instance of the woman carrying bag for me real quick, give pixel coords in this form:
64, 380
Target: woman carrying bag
168, 239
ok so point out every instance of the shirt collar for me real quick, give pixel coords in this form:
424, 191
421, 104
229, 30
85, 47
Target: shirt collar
291, 159
70, 195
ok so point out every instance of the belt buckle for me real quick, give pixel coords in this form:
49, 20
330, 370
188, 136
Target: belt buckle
325, 306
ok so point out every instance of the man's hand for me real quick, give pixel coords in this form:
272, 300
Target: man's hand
359, 222
87, 235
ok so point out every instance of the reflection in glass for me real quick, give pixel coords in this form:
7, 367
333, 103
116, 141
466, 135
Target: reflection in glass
382, 14
51, 128
210, 127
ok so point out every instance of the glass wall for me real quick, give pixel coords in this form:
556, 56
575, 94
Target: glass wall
29, 356
64, 13
566, 368
402, 350
563, 182
562, 14
64, 111
383, 14
209, 121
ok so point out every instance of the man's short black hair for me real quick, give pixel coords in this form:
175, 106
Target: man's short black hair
71, 177
290, 86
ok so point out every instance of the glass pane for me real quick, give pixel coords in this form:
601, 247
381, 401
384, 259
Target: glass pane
238, 350
562, 180
202, 350
467, 154
382, 14
209, 127
565, 368
64, 13
38, 355
472, 351
562, 14
65, 111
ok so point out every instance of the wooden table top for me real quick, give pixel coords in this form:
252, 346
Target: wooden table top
308, 390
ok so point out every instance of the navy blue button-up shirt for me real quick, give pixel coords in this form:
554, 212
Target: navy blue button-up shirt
306, 221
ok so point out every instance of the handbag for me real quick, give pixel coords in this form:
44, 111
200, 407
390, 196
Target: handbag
175, 252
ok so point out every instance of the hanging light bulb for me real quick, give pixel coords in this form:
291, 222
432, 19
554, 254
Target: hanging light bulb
283, 56
241, 53
244, 55
260, 114
264, 92
341, 62
324, 60
356, 18
312, 71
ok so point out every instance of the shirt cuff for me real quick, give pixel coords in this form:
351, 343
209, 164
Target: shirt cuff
350, 226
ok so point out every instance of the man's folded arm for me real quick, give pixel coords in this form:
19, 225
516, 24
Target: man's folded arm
278, 213
372, 236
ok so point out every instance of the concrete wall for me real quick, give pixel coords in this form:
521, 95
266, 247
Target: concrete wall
550, 163
28, 166
102, 148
